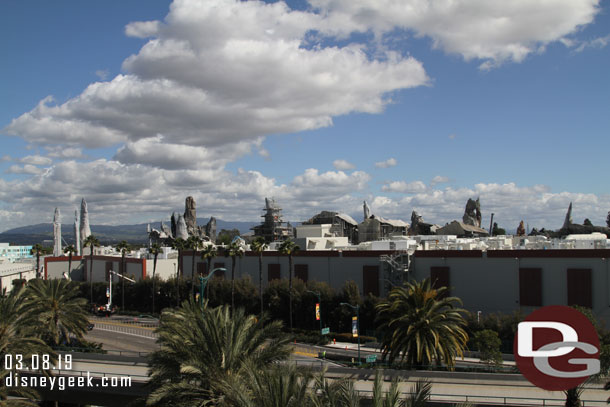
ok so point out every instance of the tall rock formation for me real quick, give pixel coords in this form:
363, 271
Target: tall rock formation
85, 230
57, 233
76, 233
181, 231
210, 229
190, 216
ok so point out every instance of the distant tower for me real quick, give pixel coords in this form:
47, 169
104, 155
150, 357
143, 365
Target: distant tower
57, 233
76, 233
85, 230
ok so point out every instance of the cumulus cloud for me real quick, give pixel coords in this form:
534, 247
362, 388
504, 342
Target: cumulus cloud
494, 32
25, 169
439, 179
404, 187
64, 152
223, 72
390, 162
343, 165
129, 193
154, 151
35, 160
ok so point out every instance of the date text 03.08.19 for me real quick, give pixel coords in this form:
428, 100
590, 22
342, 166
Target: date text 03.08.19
37, 362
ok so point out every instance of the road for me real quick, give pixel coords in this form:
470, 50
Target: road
477, 388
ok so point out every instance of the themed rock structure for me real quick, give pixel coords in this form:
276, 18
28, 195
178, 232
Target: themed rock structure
521, 229
366, 210
57, 251
472, 213
190, 216
569, 227
183, 226
273, 228
419, 227
85, 230
76, 233
470, 225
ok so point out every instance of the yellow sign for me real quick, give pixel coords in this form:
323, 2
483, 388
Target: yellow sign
355, 327
317, 311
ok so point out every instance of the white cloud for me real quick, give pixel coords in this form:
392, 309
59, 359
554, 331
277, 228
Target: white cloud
35, 160
64, 152
404, 187
343, 165
6, 157
492, 31
599, 42
390, 162
439, 179
102, 74
154, 151
26, 169
223, 72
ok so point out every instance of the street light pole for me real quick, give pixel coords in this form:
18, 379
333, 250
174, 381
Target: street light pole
357, 308
319, 302
203, 281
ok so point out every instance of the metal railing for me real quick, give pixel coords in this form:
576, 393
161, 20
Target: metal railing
126, 329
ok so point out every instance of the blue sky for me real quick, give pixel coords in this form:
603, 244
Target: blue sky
233, 101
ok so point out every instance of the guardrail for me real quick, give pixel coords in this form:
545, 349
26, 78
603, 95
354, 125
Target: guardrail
88, 373
126, 329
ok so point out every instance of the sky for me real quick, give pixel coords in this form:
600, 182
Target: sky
320, 104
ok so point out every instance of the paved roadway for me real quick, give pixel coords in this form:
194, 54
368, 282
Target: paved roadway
509, 389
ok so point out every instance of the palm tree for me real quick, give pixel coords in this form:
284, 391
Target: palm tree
208, 253
275, 386
233, 250
123, 247
17, 337
70, 250
92, 242
55, 309
420, 325
259, 246
333, 393
179, 244
288, 247
193, 243
204, 349
37, 249
154, 249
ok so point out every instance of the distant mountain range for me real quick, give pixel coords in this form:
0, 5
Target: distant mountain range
135, 234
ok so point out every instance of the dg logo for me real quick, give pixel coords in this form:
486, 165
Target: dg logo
556, 348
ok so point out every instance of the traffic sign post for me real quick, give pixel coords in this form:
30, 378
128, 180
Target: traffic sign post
325, 331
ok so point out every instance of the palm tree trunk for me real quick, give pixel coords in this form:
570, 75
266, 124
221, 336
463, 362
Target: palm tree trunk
193, 273
123, 282
290, 288
91, 273
38, 274
69, 263
153, 284
260, 279
232, 283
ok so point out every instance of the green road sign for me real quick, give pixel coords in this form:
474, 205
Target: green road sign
325, 331
371, 358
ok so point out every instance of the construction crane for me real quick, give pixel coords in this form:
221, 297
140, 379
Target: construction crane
108, 307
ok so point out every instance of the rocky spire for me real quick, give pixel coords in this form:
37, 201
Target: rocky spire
57, 251
76, 233
568, 220
190, 216
85, 230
